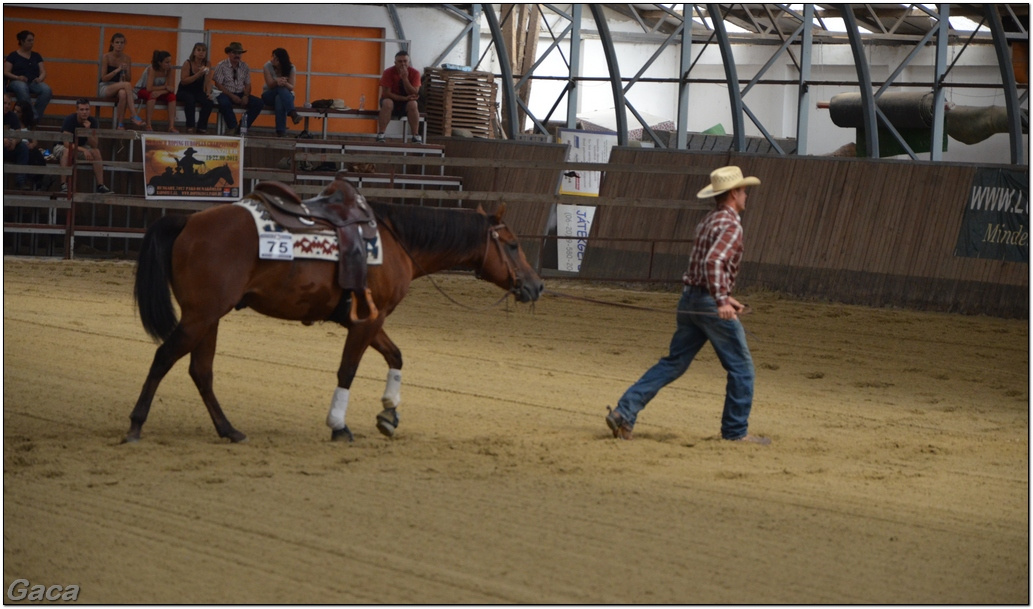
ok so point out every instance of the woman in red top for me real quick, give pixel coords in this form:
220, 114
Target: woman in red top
157, 85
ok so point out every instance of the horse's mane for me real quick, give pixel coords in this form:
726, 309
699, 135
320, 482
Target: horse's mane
431, 229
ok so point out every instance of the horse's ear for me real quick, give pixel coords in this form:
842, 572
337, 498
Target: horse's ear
501, 211
480, 210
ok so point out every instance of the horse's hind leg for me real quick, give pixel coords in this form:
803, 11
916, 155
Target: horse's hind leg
164, 358
201, 359
387, 419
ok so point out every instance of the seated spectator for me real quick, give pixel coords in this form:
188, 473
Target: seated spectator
195, 88
15, 150
85, 146
24, 74
156, 85
279, 89
116, 81
24, 111
232, 77
399, 96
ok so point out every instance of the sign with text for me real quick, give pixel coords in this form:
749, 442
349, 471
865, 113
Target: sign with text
194, 167
995, 224
576, 220
572, 221
585, 147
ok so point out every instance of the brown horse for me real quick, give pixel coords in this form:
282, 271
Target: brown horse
210, 260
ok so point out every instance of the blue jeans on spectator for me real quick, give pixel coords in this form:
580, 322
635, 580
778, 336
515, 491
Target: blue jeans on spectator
25, 90
19, 156
697, 323
190, 102
281, 100
254, 108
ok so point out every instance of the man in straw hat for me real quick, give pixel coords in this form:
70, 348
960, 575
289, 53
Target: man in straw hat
232, 77
707, 311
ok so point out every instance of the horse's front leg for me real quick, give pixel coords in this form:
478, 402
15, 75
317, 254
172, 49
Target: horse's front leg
360, 335
387, 419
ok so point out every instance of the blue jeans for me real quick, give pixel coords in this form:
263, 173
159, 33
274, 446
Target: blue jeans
254, 108
281, 100
20, 156
190, 102
697, 323
24, 91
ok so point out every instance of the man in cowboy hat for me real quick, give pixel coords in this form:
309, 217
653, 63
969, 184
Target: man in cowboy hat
232, 77
186, 164
707, 311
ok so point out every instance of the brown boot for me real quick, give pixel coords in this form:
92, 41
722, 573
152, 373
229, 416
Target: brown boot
620, 428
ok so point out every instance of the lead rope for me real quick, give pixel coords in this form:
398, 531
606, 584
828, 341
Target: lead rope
746, 310
435, 284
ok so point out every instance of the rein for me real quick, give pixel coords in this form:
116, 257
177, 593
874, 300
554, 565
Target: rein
493, 235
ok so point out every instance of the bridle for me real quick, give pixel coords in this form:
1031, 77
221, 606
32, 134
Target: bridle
493, 237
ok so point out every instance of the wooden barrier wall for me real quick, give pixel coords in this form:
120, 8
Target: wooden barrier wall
870, 232
878, 233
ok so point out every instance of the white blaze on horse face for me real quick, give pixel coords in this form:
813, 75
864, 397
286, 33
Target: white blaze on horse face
392, 391
338, 408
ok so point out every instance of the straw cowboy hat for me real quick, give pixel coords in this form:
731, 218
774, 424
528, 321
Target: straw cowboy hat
724, 179
235, 47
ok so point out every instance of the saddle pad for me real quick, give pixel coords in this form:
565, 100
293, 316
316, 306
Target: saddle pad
320, 245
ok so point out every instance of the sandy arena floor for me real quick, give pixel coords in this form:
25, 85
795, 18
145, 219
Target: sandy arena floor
899, 471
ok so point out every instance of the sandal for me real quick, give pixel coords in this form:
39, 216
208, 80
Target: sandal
137, 120
173, 130
121, 127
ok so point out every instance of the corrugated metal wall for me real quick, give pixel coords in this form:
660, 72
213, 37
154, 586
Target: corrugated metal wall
859, 231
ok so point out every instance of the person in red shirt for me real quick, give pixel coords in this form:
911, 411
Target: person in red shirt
707, 311
399, 95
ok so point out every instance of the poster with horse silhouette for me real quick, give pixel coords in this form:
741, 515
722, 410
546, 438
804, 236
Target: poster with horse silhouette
203, 168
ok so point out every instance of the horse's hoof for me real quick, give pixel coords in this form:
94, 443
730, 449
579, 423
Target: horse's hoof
387, 422
342, 435
130, 439
237, 437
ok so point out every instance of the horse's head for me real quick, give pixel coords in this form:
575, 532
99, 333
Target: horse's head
504, 263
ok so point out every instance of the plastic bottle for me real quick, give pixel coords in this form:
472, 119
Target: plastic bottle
362, 102
243, 124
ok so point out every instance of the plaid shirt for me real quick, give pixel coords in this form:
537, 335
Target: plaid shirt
234, 79
716, 254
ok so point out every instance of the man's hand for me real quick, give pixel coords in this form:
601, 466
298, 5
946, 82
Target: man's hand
730, 309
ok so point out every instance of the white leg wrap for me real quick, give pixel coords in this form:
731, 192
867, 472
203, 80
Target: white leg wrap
338, 408
392, 391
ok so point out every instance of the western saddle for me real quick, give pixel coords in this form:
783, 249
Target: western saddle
339, 208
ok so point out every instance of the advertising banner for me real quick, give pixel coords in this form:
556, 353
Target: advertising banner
194, 167
576, 220
585, 147
572, 221
995, 224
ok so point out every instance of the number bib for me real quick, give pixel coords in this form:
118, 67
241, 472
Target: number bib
276, 246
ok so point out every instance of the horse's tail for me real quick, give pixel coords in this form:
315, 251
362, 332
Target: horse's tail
153, 275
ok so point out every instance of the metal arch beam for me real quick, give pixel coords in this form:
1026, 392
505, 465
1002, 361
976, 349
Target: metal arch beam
509, 96
864, 82
803, 106
573, 90
470, 34
732, 78
685, 62
615, 72
1011, 94
396, 23
942, 43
